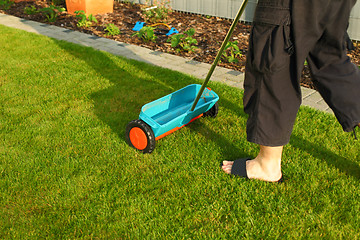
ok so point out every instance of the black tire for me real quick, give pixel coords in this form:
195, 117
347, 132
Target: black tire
140, 136
212, 112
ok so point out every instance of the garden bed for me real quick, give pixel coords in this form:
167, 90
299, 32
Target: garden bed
209, 31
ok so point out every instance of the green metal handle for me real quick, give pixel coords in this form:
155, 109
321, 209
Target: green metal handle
218, 56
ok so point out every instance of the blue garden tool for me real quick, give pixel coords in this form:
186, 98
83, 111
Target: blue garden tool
139, 25
163, 116
172, 31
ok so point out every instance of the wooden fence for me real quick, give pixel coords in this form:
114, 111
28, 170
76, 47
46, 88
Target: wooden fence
229, 8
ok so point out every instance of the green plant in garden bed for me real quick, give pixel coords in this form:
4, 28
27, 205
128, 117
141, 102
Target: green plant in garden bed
6, 4
112, 30
85, 21
159, 11
184, 42
52, 12
31, 10
232, 52
146, 34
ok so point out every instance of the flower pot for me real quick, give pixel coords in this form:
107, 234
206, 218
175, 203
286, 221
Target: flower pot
90, 6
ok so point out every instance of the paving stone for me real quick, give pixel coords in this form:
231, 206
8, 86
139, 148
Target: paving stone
179, 68
233, 72
75, 41
56, 35
235, 84
156, 53
220, 71
29, 29
233, 77
193, 62
328, 110
217, 79
315, 97
68, 31
202, 73
306, 92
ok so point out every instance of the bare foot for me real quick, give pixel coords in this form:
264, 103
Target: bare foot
255, 170
266, 166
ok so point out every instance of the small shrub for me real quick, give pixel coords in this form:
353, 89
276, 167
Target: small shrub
112, 30
184, 41
83, 20
52, 12
6, 4
146, 34
158, 12
232, 52
30, 10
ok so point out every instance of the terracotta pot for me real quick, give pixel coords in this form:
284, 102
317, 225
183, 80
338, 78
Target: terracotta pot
90, 6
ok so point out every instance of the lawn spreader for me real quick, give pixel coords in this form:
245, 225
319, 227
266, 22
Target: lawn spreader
163, 116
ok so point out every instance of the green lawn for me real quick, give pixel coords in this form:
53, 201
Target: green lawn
66, 171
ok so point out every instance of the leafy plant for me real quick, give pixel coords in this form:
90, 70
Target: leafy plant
232, 52
30, 10
6, 4
184, 41
112, 30
52, 12
146, 34
158, 12
83, 20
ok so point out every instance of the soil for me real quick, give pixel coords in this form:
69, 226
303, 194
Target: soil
209, 31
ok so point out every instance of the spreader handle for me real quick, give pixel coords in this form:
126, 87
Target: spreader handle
218, 56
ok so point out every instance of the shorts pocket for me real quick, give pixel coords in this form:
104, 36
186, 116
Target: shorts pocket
275, 12
270, 45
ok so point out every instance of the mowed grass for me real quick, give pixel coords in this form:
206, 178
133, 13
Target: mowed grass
66, 171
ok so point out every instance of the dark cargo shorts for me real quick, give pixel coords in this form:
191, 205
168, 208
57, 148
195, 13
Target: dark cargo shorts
284, 34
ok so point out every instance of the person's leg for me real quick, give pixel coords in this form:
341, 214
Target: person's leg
271, 90
338, 82
266, 166
339, 85
336, 78
272, 94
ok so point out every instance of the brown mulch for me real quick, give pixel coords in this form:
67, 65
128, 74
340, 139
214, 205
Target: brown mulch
210, 31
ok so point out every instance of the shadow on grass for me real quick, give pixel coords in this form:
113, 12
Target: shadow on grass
133, 85
144, 83
345, 165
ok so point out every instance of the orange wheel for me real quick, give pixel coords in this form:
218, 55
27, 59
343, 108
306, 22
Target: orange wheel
140, 136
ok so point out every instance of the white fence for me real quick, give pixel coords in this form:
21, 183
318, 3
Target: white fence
354, 27
229, 8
